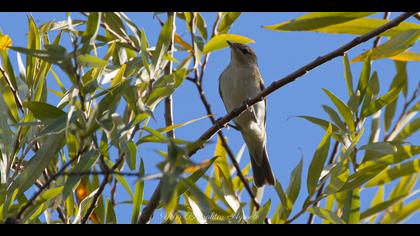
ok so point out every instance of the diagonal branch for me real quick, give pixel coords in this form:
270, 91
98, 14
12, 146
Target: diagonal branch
297, 74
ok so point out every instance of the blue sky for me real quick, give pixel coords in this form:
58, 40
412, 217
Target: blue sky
278, 55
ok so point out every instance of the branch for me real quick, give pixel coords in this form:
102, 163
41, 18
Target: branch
32, 200
297, 74
168, 70
100, 190
222, 122
13, 89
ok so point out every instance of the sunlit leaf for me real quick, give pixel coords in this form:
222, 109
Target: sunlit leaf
219, 42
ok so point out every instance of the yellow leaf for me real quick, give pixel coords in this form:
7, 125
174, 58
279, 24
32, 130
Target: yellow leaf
5, 42
407, 56
219, 42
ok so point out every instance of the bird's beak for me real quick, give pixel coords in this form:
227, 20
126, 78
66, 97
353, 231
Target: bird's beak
230, 44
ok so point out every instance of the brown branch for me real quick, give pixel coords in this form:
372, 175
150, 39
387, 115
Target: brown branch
321, 188
378, 38
13, 89
32, 200
100, 190
154, 201
297, 74
168, 70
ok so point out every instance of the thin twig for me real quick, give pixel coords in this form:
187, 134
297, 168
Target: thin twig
297, 74
32, 200
378, 38
13, 89
100, 190
154, 201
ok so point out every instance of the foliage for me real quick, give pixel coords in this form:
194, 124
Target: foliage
63, 155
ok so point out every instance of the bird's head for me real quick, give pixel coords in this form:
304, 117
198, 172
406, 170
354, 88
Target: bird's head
242, 54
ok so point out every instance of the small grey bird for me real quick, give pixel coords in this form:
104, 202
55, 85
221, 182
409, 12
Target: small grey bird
240, 81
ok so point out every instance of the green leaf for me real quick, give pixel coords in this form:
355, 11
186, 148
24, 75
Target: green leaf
363, 83
259, 216
351, 209
402, 213
83, 207
130, 150
380, 147
334, 117
295, 182
352, 26
201, 25
369, 169
394, 172
92, 61
37, 164
396, 45
408, 130
318, 162
407, 56
92, 28
119, 76
382, 101
381, 207
401, 77
343, 109
219, 42
44, 111
348, 75
111, 217
318, 21
326, 214
138, 197
227, 19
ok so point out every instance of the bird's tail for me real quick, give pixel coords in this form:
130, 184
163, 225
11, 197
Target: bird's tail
263, 175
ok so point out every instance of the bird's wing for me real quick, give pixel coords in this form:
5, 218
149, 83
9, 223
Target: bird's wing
262, 87
220, 89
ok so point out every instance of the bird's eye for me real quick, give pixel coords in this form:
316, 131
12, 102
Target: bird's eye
244, 51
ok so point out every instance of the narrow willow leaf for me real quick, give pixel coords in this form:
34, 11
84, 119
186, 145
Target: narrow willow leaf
227, 19
44, 111
138, 197
326, 214
408, 130
334, 117
343, 109
295, 182
384, 100
323, 124
380, 147
82, 207
221, 166
259, 216
318, 21
110, 215
92, 28
348, 75
38, 163
396, 45
391, 173
318, 162
130, 150
219, 42
363, 81
351, 209
403, 213
92, 61
407, 56
354, 26
201, 25
119, 77
381, 207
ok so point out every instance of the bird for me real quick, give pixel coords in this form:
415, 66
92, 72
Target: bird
240, 81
